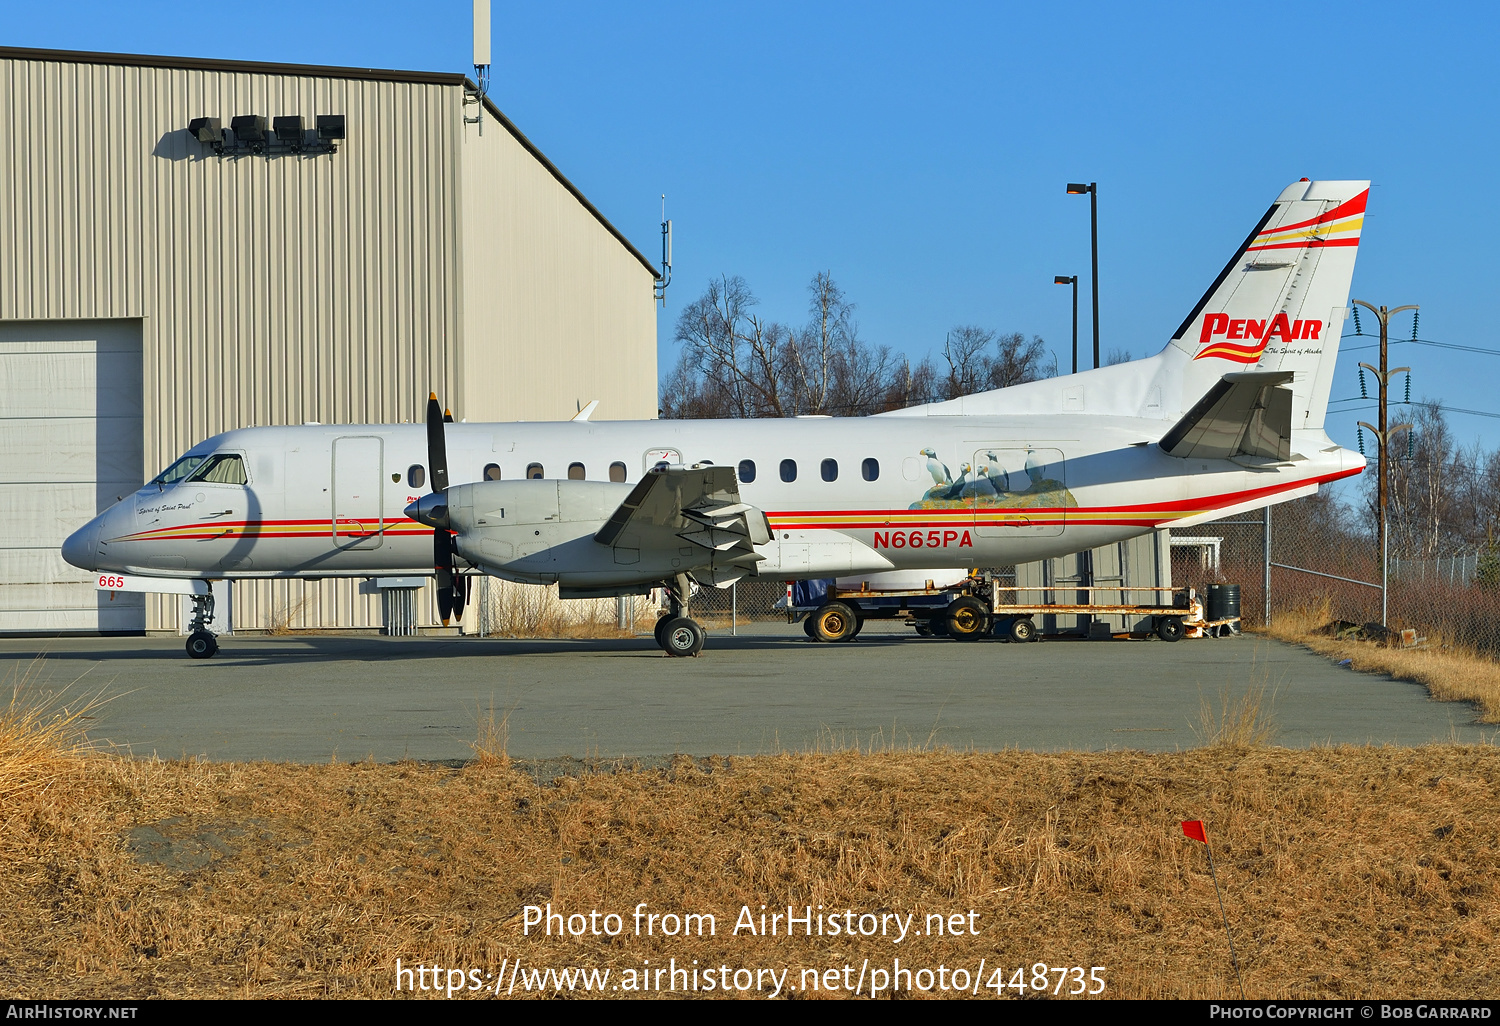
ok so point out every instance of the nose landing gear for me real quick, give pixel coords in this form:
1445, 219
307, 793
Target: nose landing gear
201, 643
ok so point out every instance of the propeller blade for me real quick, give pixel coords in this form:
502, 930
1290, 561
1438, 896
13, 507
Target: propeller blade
442, 562
460, 595
437, 445
442, 541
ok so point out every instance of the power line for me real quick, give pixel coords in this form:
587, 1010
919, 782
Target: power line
1418, 341
1431, 406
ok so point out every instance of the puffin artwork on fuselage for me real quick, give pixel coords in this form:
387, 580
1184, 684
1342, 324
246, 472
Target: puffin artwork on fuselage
1228, 417
989, 485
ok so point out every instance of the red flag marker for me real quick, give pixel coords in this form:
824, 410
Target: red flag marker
1193, 830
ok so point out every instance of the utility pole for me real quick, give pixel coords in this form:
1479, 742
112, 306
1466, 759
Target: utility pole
1382, 437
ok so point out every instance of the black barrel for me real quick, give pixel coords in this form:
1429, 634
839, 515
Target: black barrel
1223, 601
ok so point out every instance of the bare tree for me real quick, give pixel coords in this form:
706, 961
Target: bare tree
965, 349
734, 363
1017, 361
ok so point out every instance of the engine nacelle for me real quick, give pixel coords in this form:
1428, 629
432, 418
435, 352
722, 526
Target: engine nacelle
534, 530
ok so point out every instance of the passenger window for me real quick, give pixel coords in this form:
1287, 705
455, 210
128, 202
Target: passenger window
416, 476
534, 471
617, 472
223, 469
492, 471
575, 471
789, 471
747, 471
870, 469
830, 470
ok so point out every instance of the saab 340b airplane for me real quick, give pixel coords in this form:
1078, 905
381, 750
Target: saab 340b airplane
1227, 418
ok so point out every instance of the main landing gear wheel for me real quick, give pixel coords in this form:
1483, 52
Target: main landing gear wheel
1022, 629
1170, 628
834, 622
201, 645
661, 624
682, 637
967, 619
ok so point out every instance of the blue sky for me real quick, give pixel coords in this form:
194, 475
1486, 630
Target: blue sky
920, 154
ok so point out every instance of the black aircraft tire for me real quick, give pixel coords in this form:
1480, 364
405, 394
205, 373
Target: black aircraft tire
661, 623
682, 637
201, 645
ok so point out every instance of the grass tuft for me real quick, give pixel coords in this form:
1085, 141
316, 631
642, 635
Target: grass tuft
40, 726
490, 746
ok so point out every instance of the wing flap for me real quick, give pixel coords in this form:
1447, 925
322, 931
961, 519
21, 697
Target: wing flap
699, 505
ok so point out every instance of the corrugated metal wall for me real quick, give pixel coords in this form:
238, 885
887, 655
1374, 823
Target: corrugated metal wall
286, 288
526, 237
1141, 562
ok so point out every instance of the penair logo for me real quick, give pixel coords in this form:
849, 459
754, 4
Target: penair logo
1256, 335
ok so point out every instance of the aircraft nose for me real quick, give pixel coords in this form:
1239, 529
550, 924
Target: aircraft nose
82, 547
431, 510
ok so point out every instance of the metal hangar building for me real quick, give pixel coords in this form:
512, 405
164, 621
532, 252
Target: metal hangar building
189, 246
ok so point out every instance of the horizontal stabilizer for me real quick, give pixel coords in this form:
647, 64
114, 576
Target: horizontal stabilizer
1245, 414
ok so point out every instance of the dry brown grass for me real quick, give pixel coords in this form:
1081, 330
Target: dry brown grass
41, 726
1451, 673
490, 747
533, 611
284, 618
1347, 872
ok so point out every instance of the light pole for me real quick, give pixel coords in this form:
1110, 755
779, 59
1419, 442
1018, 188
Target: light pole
1063, 279
1383, 436
1078, 189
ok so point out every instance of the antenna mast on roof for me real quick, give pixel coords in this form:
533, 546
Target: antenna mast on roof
665, 277
481, 61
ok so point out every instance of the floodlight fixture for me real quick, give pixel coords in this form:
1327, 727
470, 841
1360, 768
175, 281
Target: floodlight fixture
289, 131
208, 132
250, 129
330, 127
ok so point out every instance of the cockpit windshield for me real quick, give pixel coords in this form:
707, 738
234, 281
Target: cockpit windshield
221, 468
217, 468
177, 471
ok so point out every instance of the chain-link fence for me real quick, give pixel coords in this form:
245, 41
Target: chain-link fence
1319, 559
747, 600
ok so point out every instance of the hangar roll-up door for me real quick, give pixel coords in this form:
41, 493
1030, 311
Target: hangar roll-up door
70, 446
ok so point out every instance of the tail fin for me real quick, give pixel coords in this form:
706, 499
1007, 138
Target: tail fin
1280, 303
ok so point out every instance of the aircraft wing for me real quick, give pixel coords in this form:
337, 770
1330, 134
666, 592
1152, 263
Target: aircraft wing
696, 508
1245, 416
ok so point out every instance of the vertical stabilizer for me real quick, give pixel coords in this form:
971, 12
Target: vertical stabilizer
1280, 303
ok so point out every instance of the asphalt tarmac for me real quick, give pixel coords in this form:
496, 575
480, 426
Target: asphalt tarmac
316, 698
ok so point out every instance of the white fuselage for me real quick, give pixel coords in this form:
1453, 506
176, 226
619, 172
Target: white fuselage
867, 495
